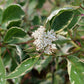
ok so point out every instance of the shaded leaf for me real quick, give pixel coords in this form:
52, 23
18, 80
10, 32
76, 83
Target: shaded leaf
1, 11
6, 59
42, 63
66, 48
77, 2
18, 50
40, 3
61, 39
32, 6
19, 40
80, 30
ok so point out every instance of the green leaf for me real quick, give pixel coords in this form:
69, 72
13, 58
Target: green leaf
80, 30
2, 71
42, 63
75, 70
36, 20
32, 6
22, 2
61, 21
61, 18
76, 17
8, 2
77, 2
6, 59
17, 49
65, 49
14, 32
24, 67
19, 40
61, 40
1, 15
12, 12
40, 3
16, 23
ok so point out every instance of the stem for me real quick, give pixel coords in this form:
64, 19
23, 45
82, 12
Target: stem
2, 70
53, 69
75, 44
81, 7
51, 2
10, 81
0, 44
26, 7
53, 77
11, 56
25, 42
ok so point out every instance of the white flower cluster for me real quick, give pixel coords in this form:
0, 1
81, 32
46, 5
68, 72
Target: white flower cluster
43, 40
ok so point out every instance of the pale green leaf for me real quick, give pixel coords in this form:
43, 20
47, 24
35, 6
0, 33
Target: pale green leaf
77, 2
2, 71
31, 7
61, 39
75, 70
65, 49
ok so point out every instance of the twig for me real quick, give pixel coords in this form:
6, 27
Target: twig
53, 69
11, 56
25, 42
81, 6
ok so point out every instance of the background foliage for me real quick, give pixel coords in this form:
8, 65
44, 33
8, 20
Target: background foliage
20, 63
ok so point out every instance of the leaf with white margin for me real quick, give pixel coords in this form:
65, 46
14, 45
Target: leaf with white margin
55, 13
14, 32
15, 23
18, 49
12, 12
75, 70
1, 12
2, 71
62, 18
24, 67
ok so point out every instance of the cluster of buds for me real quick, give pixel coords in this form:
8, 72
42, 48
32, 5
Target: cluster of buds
44, 40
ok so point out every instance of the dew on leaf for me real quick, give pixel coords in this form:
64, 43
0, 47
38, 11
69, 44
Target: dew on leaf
75, 72
0, 73
27, 65
73, 82
1, 79
83, 73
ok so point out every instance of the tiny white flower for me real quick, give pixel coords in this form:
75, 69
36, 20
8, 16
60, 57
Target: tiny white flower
53, 47
47, 50
43, 40
38, 32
